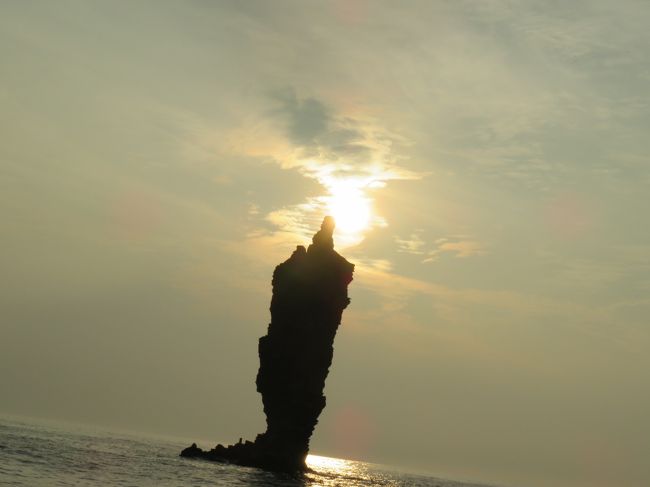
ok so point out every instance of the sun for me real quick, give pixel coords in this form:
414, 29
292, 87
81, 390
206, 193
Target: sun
350, 207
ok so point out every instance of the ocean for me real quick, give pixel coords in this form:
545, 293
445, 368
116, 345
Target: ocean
35, 453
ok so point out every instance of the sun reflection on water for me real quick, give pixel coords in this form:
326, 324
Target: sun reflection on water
336, 472
328, 464
330, 472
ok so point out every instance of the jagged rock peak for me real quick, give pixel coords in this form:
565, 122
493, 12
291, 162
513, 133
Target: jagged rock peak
323, 239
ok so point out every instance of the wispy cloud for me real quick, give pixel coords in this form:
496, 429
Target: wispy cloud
328, 146
412, 244
351, 157
458, 247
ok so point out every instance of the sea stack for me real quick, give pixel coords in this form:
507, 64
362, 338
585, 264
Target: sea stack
310, 292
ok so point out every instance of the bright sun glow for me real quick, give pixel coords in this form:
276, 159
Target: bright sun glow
349, 206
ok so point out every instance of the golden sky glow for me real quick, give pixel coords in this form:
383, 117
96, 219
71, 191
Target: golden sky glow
487, 165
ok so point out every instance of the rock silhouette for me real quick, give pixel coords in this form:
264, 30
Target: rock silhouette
309, 296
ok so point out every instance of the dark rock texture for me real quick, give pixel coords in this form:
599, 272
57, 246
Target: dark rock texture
309, 296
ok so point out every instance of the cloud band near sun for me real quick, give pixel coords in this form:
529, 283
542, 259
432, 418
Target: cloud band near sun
351, 157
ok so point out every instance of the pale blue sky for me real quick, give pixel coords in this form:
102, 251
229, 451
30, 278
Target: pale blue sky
158, 159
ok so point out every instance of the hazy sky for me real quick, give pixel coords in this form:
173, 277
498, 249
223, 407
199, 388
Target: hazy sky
488, 163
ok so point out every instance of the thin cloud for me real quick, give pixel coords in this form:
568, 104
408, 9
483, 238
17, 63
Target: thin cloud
306, 119
455, 247
410, 245
348, 156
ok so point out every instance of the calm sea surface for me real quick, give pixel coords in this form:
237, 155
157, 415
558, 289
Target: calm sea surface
41, 454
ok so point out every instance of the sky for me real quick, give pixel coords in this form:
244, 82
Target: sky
488, 165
